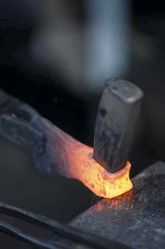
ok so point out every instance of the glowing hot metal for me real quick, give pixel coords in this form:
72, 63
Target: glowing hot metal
95, 177
56, 152
73, 159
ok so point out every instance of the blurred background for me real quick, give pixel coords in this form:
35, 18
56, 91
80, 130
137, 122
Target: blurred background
56, 55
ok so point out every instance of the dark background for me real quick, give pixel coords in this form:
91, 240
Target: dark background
73, 107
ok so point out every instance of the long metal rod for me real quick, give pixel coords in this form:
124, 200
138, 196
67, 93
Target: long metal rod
18, 234
63, 230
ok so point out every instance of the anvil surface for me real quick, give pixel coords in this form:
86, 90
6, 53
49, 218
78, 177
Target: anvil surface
135, 219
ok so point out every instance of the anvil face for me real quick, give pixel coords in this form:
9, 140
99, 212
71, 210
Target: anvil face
135, 219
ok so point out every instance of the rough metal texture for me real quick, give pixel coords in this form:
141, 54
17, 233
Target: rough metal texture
117, 116
24, 126
136, 219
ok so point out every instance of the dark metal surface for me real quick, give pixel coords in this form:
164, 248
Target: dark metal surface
17, 124
137, 218
118, 113
24, 126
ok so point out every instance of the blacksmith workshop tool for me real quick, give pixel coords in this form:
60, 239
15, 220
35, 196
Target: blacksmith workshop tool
117, 116
56, 152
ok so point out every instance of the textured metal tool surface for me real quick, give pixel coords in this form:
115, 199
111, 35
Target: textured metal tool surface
116, 123
137, 218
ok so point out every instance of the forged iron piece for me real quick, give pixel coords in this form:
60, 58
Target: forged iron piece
116, 121
115, 127
56, 152
137, 218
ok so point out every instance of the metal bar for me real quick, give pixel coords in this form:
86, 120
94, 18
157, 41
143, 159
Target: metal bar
63, 230
18, 234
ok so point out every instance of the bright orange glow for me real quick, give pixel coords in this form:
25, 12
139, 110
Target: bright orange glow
96, 178
84, 168
75, 160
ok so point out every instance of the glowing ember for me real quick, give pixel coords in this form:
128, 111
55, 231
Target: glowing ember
77, 162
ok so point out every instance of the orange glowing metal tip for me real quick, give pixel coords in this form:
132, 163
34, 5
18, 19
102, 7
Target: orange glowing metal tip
79, 164
95, 177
